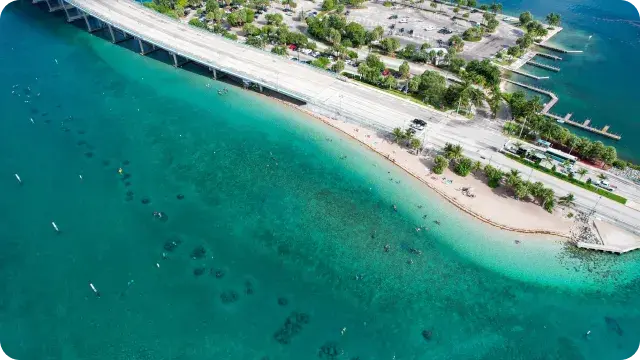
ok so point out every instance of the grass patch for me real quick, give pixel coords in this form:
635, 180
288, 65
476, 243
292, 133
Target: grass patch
592, 188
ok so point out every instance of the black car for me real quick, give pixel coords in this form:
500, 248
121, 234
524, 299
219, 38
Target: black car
401, 30
419, 122
411, 32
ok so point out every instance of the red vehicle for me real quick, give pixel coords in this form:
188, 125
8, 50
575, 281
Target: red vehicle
293, 47
385, 72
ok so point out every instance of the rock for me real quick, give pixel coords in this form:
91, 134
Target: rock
179, 196
198, 271
198, 253
426, 334
283, 301
145, 200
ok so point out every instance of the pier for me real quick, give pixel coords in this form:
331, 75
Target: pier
520, 72
557, 58
586, 125
557, 49
543, 66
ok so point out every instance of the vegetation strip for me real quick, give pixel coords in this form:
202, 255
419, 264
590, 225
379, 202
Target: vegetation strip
584, 185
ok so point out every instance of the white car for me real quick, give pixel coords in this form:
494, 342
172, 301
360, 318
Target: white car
430, 28
403, 20
315, 54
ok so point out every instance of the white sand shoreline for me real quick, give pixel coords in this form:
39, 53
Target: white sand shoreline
498, 210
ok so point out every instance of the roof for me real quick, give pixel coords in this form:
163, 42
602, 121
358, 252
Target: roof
562, 154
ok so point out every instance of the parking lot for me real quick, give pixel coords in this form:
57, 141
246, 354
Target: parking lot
415, 26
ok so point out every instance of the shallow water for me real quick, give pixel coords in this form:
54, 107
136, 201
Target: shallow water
285, 223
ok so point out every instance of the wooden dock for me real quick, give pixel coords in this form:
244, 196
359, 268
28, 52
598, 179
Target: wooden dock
567, 118
543, 66
565, 51
557, 58
520, 72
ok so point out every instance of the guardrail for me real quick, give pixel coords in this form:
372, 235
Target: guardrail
206, 62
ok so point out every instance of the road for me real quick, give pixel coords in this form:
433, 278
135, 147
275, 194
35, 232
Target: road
328, 93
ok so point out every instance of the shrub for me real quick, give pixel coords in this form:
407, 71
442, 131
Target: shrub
463, 167
440, 164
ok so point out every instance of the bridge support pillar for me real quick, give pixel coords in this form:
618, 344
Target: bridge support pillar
143, 49
260, 87
176, 60
214, 73
113, 32
54, 5
88, 20
69, 11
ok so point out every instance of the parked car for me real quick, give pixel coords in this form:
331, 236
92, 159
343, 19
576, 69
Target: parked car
411, 32
392, 17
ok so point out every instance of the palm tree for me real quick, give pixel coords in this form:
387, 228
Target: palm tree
513, 178
477, 166
602, 176
397, 134
415, 144
547, 197
537, 189
568, 200
582, 172
452, 152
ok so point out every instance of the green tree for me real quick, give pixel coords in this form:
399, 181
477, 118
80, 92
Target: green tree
567, 200
251, 30
197, 23
328, 5
389, 45
274, 19
463, 166
525, 18
473, 33
415, 144
321, 62
553, 19
494, 176
456, 42
440, 163
404, 70
453, 152
334, 37
356, 33
279, 50
582, 172
212, 5
496, 8
433, 5
338, 66
398, 135
256, 41
389, 82
472, 3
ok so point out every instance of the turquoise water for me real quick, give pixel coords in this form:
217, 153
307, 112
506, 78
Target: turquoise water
285, 221
602, 83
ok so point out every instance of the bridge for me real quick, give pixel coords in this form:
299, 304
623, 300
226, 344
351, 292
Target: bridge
323, 91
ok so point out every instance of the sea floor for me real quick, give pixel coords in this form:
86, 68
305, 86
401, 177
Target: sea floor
272, 239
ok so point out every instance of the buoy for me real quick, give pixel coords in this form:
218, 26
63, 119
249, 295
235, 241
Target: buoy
33, 122
55, 226
56, 60
80, 177
157, 265
18, 177
95, 291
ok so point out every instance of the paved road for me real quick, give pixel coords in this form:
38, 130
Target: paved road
324, 91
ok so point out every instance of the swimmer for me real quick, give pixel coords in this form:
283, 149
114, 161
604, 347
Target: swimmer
343, 331
33, 122
130, 283
158, 265
120, 171
95, 291
395, 208
56, 60
80, 177
18, 177
55, 226
387, 248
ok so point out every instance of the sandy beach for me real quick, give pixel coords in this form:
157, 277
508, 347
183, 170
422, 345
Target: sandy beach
496, 207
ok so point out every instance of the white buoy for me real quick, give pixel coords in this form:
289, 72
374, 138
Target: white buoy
95, 291
55, 226
18, 177
157, 265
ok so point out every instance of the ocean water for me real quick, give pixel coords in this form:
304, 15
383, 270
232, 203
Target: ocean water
275, 248
601, 83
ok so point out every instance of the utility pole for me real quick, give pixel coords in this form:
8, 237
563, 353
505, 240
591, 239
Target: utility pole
593, 211
522, 128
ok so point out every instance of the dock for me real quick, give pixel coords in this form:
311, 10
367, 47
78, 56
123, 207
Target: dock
557, 49
557, 58
543, 66
523, 73
585, 125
